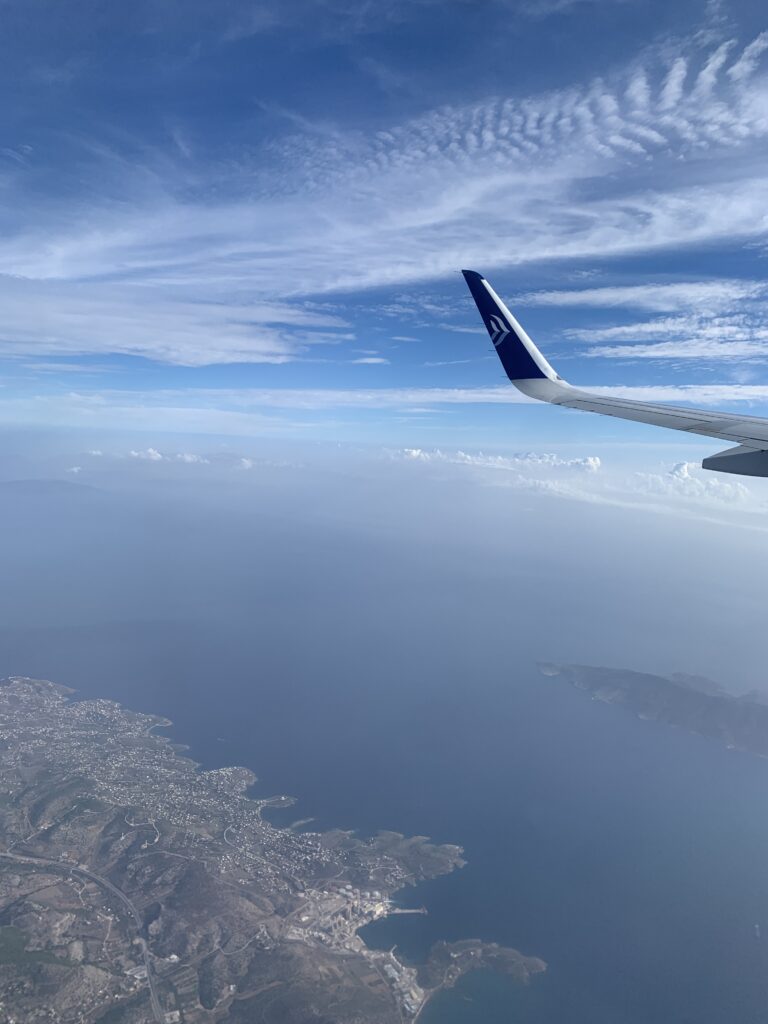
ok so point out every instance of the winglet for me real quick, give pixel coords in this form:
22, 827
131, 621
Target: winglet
519, 356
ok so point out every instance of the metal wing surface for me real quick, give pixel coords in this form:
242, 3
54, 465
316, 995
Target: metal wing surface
530, 372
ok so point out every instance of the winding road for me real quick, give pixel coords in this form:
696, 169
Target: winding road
71, 869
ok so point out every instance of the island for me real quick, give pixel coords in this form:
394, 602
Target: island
136, 887
693, 703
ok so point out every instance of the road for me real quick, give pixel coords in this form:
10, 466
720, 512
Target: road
71, 869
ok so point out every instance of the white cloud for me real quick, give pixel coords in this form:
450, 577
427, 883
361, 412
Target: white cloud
712, 295
712, 395
45, 316
190, 458
449, 362
747, 63
148, 454
370, 361
666, 153
153, 455
683, 490
687, 480
692, 336
395, 398
700, 350
524, 460
715, 328
254, 411
75, 470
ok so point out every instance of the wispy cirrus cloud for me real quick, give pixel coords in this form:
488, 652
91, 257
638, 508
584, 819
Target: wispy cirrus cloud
185, 266
64, 319
300, 411
660, 297
318, 399
707, 321
702, 338
508, 181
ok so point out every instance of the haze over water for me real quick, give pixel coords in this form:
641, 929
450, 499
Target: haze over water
389, 681
631, 857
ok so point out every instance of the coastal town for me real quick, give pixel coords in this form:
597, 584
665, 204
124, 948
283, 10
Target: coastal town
135, 886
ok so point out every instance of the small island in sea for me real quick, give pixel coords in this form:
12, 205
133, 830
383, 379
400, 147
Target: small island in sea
135, 887
693, 703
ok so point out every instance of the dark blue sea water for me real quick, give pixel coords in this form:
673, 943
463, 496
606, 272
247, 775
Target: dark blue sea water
632, 857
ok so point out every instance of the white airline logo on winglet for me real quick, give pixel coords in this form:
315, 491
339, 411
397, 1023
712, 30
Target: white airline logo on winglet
498, 329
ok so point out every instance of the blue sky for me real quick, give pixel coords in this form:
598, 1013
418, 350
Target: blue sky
249, 218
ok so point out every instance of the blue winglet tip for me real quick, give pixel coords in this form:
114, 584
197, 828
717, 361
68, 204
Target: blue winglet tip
513, 351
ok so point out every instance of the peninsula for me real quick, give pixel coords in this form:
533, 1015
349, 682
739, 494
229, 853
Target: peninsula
689, 702
136, 887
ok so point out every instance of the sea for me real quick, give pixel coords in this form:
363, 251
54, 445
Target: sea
631, 856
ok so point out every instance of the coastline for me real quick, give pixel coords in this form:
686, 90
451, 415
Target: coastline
345, 883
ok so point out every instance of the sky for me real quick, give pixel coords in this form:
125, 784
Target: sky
249, 219
255, 444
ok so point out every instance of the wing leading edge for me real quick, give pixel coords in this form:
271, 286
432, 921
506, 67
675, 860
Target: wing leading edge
530, 372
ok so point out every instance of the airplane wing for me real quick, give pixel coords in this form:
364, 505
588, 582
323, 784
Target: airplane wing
530, 372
